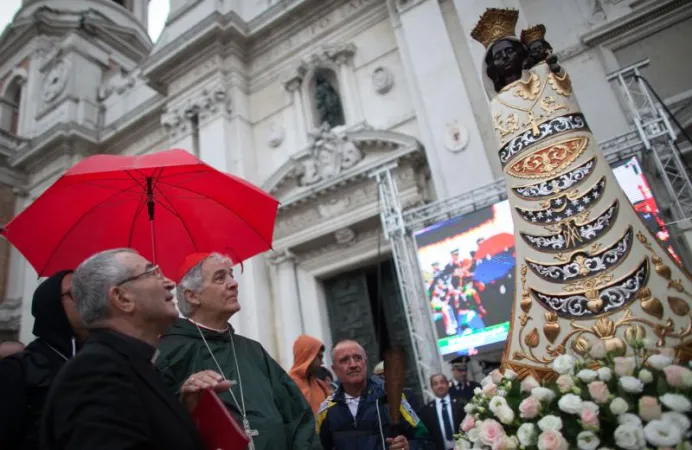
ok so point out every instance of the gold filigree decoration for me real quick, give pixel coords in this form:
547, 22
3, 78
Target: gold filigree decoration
560, 84
590, 288
551, 328
528, 89
661, 268
678, 306
508, 126
551, 106
650, 304
526, 301
549, 160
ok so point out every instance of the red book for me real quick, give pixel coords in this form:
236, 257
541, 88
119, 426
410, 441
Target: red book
217, 427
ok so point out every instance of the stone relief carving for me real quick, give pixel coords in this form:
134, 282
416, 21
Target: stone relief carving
55, 80
326, 55
276, 135
117, 81
382, 80
208, 103
328, 156
456, 137
345, 236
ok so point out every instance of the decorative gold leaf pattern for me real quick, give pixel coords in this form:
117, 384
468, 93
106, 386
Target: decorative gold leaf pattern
678, 306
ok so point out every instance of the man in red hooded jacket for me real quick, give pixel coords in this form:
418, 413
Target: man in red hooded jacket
307, 358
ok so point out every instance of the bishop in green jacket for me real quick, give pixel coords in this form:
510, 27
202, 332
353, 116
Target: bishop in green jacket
263, 398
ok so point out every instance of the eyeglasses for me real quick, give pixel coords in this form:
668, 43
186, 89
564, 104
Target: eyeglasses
154, 270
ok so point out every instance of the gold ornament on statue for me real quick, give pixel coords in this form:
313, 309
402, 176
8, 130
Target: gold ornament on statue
532, 34
495, 24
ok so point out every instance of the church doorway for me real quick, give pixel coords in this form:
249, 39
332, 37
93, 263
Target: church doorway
365, 305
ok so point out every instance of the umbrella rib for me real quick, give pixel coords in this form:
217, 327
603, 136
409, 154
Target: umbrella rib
139, 208
175, 212
64, 236
225, 207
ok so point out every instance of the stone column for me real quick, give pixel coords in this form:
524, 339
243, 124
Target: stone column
287, 302
347, 86
441, 98
293, 85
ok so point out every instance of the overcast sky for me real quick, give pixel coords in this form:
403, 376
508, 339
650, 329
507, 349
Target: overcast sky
158, 11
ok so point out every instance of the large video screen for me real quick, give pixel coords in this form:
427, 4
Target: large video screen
635, 185
468, 268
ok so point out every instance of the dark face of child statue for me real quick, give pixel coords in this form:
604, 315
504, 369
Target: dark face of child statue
505, 61
539, 50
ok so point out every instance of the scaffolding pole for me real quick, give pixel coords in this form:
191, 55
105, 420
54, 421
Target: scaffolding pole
421, 331
658, 136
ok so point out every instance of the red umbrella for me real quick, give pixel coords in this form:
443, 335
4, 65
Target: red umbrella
165, 205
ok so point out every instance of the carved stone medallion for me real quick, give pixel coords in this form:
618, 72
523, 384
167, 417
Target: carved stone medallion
55, 80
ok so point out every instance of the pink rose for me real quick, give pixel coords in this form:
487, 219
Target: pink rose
624, 365
489, 390
649, 409
467, 423
565, 383
529, 408
589, 419
496, 376
599, 392
675, 374
528, 384
506, 443
552, 440
491, 431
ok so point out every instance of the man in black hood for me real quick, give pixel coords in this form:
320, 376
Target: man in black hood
27, 376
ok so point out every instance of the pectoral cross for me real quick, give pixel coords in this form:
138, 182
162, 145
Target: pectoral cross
250, 433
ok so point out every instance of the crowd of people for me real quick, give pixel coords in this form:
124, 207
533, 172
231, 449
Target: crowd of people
115, 366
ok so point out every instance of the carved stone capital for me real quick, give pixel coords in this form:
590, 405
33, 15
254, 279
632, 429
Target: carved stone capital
117, 81
210, 102
292, 84
326, 56
278, 257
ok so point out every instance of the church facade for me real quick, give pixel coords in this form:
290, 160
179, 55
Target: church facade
303, 98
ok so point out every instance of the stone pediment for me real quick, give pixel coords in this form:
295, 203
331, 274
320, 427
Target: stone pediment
334, 157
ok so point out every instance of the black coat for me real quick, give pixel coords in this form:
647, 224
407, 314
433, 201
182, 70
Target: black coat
26, 376
429, 417
110, 397
463, 392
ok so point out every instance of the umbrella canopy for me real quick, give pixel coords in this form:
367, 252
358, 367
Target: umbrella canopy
165, 205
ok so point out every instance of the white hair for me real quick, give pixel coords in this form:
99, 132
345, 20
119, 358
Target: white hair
193, 281
93, 279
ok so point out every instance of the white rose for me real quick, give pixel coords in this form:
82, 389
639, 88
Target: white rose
605, 374
686, 379
590, 405
646, 376
527, 434
487, 380
505, 414
497, 403
462, 444
662, 434
679, 420
587, 375
561, 443
629, 419
469, 408
474, 434
543, 394
619, 406
477, 391
587, 440
659, 362
551, 422
629, 437
598, 350
564, 364
605, 448
528, 384
510, 374
631, 384
570, 403
676, 402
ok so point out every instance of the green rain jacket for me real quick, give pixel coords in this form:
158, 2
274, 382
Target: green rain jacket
275, 406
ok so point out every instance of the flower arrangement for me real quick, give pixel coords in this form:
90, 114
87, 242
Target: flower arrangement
612, 402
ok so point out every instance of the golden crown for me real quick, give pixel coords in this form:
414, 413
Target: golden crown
495, 24
533, 34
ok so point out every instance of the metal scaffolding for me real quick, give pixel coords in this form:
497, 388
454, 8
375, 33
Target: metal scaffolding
653, 135
657, 135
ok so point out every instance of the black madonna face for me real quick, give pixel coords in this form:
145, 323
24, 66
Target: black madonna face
505, 61
539, 50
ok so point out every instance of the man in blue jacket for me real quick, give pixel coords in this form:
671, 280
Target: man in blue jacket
356, 415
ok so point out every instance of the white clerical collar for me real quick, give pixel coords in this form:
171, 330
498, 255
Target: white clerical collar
216, 330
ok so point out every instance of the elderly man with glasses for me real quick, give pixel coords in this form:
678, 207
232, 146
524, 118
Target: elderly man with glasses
110, 396
262, 397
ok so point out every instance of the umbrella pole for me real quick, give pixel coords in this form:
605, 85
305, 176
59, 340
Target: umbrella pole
150, 210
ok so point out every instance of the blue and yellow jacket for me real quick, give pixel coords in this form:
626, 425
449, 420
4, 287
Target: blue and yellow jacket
339, 430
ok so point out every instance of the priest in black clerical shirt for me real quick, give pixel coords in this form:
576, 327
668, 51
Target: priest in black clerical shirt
110, 395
